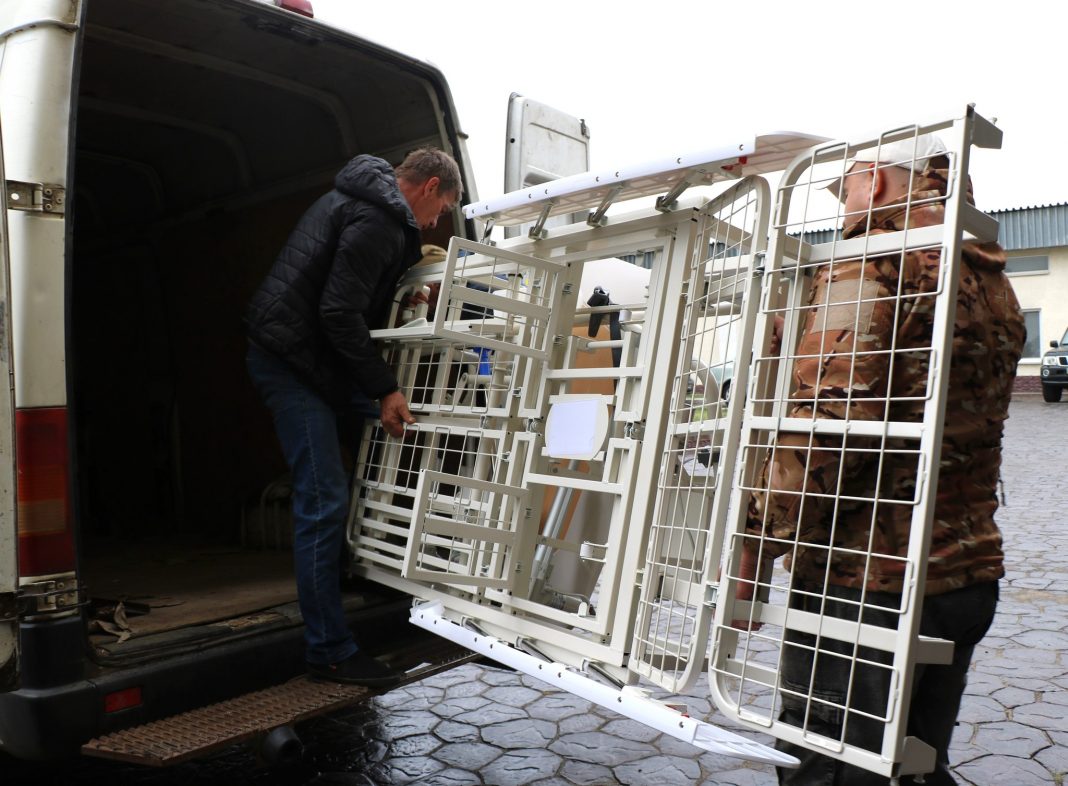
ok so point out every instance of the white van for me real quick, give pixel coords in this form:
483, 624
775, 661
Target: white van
156, 156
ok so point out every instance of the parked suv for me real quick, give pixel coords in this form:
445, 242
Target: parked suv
1055, 369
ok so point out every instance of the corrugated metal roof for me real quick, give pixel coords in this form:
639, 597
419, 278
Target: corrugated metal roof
822, 236
1033, 227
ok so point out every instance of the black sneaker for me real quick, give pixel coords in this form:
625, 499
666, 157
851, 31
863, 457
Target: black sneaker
358, 669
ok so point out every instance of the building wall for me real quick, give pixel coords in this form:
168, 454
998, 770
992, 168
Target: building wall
1046, 293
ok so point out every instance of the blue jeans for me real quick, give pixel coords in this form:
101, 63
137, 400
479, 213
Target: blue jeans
962, 616
307, 430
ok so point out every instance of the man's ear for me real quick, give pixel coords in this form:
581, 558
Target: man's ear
880, 181
431, 185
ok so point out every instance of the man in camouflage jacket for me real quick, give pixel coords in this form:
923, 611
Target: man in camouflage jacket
852, 362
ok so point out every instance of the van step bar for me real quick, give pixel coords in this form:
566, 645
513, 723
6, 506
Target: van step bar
197, 733
201, 731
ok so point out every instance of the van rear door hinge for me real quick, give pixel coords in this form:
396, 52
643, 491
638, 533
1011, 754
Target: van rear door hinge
36, 197
49, 597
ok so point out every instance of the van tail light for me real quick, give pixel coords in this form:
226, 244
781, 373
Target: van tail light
302, 7
46, 534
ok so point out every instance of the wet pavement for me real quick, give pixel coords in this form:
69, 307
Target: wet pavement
486, 725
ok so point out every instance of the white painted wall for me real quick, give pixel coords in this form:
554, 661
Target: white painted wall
1047, 292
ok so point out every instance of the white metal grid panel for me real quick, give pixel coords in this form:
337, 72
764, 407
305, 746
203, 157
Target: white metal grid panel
823, 440
701, 424
506, 342
463, 531
390, 470
498, 299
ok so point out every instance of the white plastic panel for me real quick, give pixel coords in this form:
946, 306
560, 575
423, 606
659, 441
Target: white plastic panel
542, 144
576, 427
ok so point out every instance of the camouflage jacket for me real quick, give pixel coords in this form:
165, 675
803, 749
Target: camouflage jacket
879, 382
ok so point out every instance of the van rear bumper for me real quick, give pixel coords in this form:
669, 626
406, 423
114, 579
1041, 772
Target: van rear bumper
45, 720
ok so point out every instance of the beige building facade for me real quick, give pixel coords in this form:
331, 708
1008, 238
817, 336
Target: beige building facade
1036, 242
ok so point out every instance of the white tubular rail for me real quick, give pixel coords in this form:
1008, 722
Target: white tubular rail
632, 702
668, 177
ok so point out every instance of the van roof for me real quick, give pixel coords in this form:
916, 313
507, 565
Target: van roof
272, 102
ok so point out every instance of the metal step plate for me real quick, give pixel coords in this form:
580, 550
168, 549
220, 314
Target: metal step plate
198, 732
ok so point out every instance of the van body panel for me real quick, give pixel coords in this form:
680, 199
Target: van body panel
8, 522
38, 309
36, 53
36, 80
41, 721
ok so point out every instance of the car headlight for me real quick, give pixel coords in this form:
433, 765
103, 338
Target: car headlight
1049, 360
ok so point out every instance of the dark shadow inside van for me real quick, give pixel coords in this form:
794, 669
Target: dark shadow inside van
203, 130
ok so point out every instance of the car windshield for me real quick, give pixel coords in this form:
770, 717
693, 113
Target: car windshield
1064, 339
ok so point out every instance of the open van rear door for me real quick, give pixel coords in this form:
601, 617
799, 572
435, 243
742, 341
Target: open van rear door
8, 528
543, 144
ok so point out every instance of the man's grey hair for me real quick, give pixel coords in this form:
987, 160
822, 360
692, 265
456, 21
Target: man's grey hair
427, 162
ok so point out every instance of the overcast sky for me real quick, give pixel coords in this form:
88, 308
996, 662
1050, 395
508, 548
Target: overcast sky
658, 78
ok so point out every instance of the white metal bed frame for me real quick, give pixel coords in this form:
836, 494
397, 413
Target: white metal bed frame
460, 512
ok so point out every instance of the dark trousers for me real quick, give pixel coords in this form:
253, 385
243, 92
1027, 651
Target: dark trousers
962, 616
307, 430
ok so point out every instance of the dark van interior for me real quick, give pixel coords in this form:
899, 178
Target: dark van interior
202, 131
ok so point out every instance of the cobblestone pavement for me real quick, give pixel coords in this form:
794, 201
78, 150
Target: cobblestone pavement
484, 725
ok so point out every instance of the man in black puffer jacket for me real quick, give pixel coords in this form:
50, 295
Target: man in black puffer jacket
311, 355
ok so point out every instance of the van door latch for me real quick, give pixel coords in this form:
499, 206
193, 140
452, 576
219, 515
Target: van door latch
36, 197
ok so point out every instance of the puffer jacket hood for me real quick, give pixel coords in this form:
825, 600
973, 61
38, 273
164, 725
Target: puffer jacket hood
372, 180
